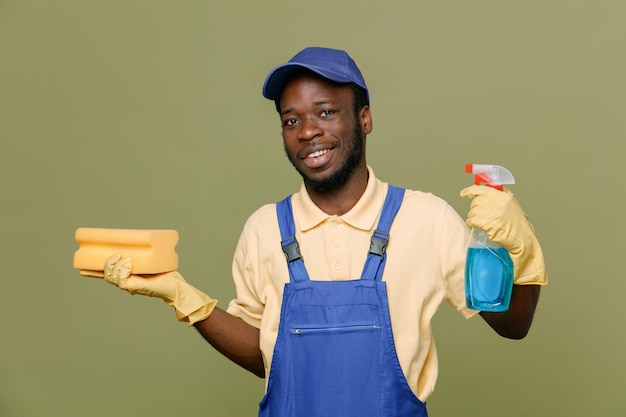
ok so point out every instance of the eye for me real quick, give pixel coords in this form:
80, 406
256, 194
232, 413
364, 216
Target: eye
290, 122
326, 113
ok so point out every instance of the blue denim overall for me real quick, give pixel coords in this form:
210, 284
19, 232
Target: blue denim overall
334, 354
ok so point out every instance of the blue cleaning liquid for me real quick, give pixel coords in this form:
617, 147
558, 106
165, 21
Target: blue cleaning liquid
488, 278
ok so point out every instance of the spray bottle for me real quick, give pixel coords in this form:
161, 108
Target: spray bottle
488, 269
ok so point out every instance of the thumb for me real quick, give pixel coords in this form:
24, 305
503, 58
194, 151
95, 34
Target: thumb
474, 191
483, 190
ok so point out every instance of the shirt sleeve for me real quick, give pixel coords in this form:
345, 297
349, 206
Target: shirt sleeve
453, 252
248, 304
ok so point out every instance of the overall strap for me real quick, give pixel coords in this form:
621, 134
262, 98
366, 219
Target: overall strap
377, 256
297, 271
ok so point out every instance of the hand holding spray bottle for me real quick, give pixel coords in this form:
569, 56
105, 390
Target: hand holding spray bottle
488, 269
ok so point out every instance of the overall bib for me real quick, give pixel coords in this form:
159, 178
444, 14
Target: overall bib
334, 353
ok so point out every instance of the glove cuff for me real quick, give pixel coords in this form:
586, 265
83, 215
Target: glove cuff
191, 304
200, 314
530, 275
530, 268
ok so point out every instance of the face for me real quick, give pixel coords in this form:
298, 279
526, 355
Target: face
323, 137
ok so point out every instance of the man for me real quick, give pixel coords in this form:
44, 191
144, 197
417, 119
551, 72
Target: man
337, 285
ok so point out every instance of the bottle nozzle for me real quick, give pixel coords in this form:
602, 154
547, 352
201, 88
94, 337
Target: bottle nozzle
494, 176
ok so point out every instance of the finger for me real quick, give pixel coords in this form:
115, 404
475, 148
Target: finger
110, 262
124, 275
112, 271
113, 258
122, 269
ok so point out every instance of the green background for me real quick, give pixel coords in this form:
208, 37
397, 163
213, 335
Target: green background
148, 114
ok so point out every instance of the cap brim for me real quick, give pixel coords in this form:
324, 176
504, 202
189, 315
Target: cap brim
277, 78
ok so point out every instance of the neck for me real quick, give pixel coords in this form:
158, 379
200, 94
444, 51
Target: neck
340, 201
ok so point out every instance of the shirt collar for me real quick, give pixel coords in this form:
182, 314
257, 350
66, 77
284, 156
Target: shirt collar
362, 216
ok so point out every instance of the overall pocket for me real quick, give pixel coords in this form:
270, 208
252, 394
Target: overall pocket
336, 369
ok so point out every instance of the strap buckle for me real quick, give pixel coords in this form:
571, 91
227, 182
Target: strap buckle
291, 249
378, 244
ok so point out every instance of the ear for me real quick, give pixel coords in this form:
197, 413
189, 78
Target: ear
365, 118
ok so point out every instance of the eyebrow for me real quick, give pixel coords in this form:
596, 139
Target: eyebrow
284, 112
316, 103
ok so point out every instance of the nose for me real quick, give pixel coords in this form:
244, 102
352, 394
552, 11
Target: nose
310, 129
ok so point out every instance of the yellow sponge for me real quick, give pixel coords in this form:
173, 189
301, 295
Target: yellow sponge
152, 251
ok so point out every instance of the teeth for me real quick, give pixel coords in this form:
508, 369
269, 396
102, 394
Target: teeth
317, 153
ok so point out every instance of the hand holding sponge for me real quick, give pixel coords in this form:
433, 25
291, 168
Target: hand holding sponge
191, 304
148, 267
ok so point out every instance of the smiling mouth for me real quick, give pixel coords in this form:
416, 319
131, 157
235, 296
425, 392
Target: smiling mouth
317, 154
318, 159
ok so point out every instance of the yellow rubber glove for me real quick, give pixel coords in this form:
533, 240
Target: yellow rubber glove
500, 215
191, 304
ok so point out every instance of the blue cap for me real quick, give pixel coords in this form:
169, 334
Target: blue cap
332, 64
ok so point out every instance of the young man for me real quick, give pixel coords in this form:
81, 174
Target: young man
337, 285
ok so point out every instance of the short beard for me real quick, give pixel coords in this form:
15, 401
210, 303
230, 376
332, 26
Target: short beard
340, 178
